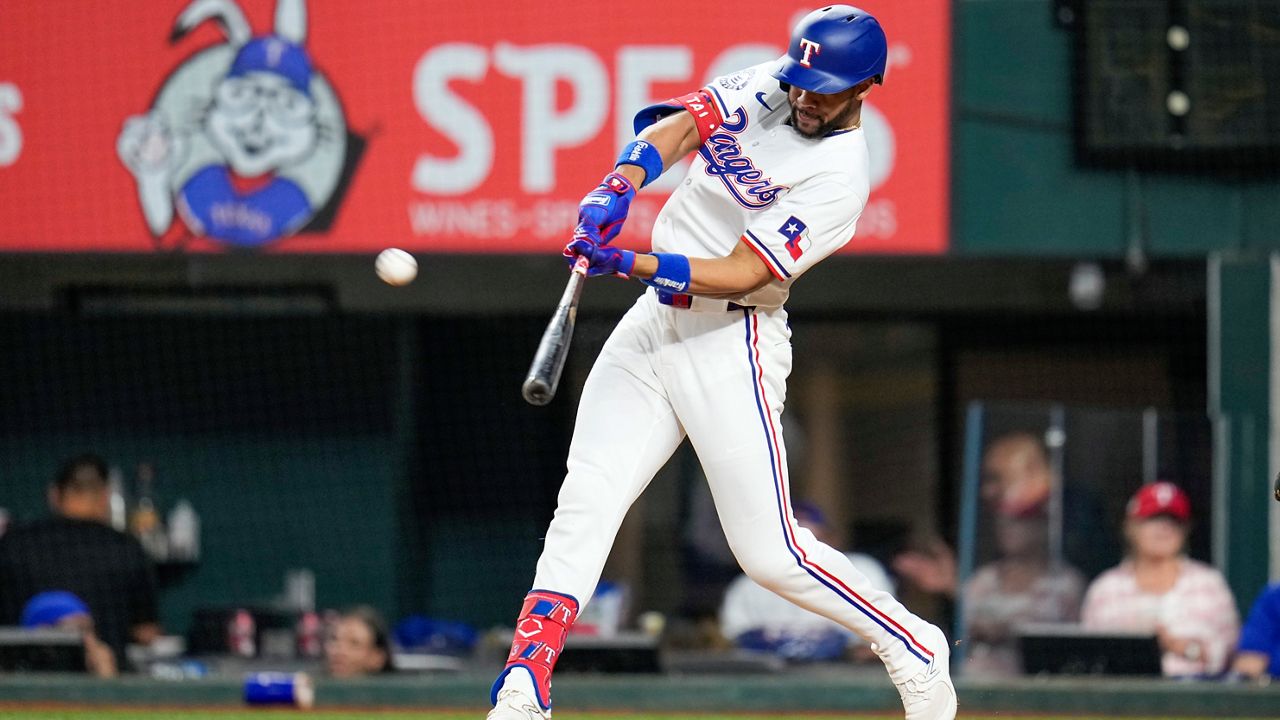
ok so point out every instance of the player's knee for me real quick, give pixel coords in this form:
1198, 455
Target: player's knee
770, 570
588, 508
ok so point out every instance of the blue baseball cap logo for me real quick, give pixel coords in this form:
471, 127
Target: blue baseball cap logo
274, 54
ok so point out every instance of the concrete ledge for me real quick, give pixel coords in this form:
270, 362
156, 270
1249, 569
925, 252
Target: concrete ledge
794, 691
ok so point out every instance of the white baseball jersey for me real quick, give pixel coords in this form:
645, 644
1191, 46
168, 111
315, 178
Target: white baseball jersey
716, 372
794, 200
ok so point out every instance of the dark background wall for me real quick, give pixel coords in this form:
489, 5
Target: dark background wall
1017, 186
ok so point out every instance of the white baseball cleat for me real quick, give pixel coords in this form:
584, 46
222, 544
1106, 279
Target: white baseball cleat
515, 705
929, 695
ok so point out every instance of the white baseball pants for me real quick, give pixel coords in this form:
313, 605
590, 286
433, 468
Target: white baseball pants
719, 377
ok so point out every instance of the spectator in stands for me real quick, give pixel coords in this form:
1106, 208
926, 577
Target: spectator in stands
756, 618
63, 610
358, 644
1023, 584
76, 551
1259, 655
1158, 589
1016, 472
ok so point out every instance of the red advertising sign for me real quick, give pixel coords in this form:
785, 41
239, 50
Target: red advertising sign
283, 125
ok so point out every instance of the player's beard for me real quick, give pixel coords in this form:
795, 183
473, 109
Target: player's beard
839, 121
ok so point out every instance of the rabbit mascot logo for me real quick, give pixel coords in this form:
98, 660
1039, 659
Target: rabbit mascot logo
246, 142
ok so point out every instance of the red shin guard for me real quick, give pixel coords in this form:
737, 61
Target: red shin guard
541, 628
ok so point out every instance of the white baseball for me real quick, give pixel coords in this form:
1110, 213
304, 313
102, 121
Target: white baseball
396, 267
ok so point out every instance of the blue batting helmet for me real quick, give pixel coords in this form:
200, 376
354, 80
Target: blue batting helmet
833, 49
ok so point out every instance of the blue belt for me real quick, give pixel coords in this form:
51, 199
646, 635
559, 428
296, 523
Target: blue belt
688, 302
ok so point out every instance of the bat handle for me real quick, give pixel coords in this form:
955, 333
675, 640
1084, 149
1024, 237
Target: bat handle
580, 267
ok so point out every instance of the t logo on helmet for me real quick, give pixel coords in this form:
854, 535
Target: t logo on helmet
811, 48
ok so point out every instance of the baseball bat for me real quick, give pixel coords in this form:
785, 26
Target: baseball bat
548, 362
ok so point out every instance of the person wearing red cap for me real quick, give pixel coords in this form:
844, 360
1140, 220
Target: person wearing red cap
1158, 589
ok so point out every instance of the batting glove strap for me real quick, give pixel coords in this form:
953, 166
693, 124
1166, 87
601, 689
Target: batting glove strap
644, 156
672, 274
626, 263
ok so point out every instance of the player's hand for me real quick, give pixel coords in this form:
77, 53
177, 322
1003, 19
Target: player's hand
1189, 648
601, 259
932, 568
603, 210
148, 147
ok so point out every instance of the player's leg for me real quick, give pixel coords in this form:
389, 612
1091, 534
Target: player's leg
733, 417
625, 431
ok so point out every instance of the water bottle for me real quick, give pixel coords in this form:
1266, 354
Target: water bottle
277, 688
184, 532
144, 522
118, 504
241, 631
310, 635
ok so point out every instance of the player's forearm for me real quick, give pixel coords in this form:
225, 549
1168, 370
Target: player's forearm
633, 173
674, 137
726, 276
713, 277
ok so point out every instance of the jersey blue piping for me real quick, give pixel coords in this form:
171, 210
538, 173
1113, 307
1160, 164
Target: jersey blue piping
724, 109
764, 249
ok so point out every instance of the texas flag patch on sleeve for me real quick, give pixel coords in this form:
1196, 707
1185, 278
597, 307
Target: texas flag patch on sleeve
797, 241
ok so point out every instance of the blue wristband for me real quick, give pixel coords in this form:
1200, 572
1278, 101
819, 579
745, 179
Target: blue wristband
672, 274
645, 156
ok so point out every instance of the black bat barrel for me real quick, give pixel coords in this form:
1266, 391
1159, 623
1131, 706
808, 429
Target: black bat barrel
548, 362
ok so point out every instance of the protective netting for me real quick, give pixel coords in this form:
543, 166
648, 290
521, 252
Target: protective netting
1180, 84
389, 459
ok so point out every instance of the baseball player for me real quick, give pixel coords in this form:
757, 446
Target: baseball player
779, 178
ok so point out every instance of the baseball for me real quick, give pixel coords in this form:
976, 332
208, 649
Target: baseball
396, 267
